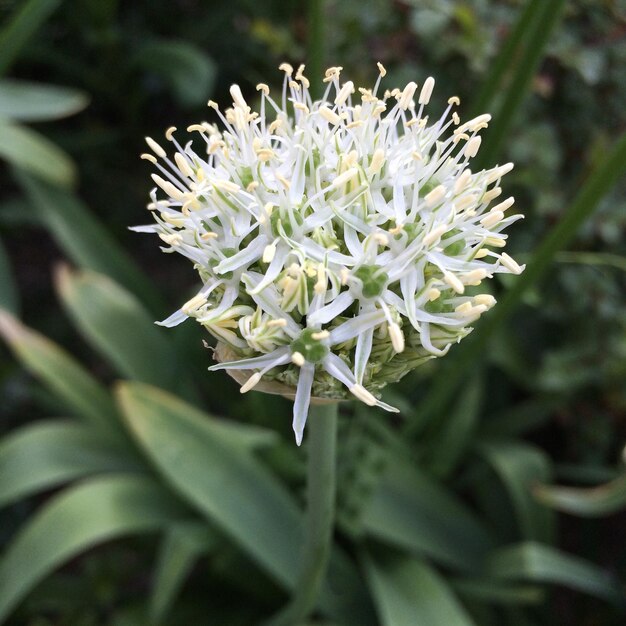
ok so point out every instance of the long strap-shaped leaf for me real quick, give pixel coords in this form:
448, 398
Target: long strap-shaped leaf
78, 519
546, 17
47, 454
599, 183
236, 493
409, 592
85, 240
21, 26
536, 562
9, 297
64, 376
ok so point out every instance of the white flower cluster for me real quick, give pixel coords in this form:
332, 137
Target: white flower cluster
335, 239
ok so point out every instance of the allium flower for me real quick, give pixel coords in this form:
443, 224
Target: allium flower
335, 239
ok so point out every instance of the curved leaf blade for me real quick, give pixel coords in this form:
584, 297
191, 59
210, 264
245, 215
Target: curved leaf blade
535, 562
591, 502
115, 323
411, 511
31, 151
9, 298
235, 492
408, 592
78, 519
65, 377
37, 102
43, 455
521, 466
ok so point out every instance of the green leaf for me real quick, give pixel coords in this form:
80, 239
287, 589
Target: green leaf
497, 592
521, 466
188, 70
85, 240
535, 562
599, 183
408, 592
235, 492
28, 150
411, 511
180, 548
454, 434
47, 454
21, 27
538, 29
36, 102
9, 298
591, 502
61, 374
116, 324
78, 519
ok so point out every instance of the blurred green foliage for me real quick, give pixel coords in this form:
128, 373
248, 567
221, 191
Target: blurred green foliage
447, 516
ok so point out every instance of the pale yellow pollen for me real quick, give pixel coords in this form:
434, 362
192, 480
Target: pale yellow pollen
294, 85
397, 229
454, 100
455, 118
344, 178
285, 67
193, 304
355, 124
407, 95
510, 263
226, 185
435, 196
464, 308
381, 239
171, 190
492, 218
330, 116
460, 137
397, 337
452, 280
262, 87
183, 165
149, 157
196, 128
377, 162
344, 93
434, 235
208, 235
172, 239
433, 294
463, 181
297, 359
486, 299
417, 156
427, 90
344, 275
171, 219
481, 254
213, 104
300, 106
269, 253
495, 241
363, 395
492, 194
466, 201
279, 323
250, 383
252, 186
498, 172
332, 73
381, 69
275, 125
504, 205
237, 96
471, 149
323, 334
169, 133
474, 277
156, 148
302, 78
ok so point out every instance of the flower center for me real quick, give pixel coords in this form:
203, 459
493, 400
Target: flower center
310, 347
374, 280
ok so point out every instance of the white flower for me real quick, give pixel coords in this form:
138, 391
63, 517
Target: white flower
336, 239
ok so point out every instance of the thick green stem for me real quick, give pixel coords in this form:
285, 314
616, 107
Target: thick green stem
322, 434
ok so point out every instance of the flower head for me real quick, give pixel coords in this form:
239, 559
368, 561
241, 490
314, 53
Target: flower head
335, 239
